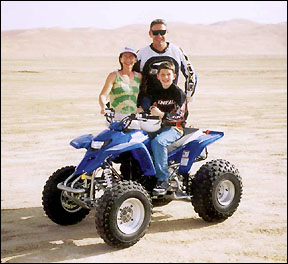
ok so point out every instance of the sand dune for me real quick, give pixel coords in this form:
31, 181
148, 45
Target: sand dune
235, 37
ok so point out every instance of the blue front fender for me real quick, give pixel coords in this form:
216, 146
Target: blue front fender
83, 141
139, 152
95, 159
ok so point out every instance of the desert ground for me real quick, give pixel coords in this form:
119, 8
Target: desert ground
50, 82
47, 102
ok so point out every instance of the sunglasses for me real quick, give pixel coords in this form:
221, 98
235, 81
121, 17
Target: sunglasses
156, 32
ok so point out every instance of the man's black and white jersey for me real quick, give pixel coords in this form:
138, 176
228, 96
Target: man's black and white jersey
148, 61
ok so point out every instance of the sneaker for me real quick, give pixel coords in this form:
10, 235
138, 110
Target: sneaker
161, 188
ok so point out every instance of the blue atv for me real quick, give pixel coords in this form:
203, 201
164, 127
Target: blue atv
117, 175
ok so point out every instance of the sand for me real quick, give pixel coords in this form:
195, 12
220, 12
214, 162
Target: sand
48, 101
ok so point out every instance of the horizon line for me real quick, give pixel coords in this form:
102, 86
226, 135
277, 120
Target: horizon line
168, 22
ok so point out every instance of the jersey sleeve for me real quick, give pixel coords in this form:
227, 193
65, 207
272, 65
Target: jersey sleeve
189, 74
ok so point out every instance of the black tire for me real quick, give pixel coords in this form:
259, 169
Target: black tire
123, 214
58, 208
216, 190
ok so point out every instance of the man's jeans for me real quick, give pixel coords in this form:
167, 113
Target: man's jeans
164, 137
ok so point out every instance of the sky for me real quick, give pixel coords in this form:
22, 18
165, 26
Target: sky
115, 14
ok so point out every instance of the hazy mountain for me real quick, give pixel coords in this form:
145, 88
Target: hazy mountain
234, 37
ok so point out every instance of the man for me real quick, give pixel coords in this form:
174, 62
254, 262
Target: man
150, 57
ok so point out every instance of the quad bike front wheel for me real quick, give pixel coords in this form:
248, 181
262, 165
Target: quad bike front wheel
56, 205
123, 214
216, 190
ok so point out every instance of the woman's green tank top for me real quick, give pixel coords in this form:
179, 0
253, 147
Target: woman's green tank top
123, 96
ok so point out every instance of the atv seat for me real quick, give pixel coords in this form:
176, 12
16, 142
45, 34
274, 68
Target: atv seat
189, 135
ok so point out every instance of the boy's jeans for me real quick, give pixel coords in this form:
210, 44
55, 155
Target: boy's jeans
164, 137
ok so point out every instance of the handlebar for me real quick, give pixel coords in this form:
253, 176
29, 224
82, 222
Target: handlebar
110, 115
126, 121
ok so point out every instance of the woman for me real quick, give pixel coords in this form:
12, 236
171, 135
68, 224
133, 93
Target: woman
122, 86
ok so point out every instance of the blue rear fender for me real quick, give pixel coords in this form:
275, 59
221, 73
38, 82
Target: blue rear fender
189, 152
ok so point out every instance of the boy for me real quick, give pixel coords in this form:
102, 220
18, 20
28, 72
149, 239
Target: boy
170, 105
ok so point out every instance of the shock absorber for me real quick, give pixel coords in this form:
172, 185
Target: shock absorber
108, 174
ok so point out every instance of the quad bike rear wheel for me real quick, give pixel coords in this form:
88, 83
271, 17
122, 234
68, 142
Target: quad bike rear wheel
216, 190
123, 214
56, 205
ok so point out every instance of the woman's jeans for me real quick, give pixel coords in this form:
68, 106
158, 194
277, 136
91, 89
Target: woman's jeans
164, 137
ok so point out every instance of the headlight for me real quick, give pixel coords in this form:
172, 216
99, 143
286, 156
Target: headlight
97, 144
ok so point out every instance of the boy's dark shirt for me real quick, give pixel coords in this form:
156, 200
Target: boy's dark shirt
172, 102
